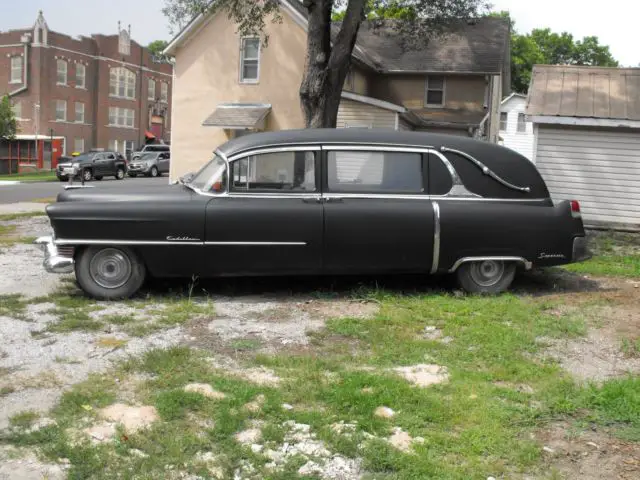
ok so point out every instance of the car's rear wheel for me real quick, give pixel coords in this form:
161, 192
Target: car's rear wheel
109, 273
153, 172
98, 177
87, 175
486, 276
120, 173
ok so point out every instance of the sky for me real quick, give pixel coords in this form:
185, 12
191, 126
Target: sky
615, 22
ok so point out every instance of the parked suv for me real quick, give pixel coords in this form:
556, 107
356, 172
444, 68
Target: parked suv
151, 164
155, 147
92, 165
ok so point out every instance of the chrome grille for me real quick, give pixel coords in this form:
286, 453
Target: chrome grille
66, 250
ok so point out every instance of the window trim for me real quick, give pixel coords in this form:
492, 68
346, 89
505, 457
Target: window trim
83, 67
150, 97
164, 92
74, 145
11, 69
241, 78
317, 170
64, 102
76, 112
59, 62
126, 75
444, 92
506, 121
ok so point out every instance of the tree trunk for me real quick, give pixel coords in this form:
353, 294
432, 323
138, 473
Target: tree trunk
326, 66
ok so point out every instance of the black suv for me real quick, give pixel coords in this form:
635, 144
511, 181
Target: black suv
92, 165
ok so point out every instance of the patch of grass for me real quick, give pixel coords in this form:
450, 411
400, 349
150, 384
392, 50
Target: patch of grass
174, 404
609, 265
67, 361
175, 312
245, 344
23, 419
6, 390
71, 320
118, 319
631, 347
17, 216
98, 391
13, 306
44, 176
111, 342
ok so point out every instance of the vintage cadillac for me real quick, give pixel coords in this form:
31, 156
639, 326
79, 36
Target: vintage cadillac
322, 201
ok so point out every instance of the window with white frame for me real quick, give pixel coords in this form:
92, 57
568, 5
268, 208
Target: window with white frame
79, 112
121, 117
250, 60
16, 70
122, 83
113, 145
522, 123
17, 109
164, 92
81, 75
78, 145
128, 146
504, 119
434, 95
61, 110
61, 77
152, 90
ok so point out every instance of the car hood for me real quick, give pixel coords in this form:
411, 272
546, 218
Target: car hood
135, 195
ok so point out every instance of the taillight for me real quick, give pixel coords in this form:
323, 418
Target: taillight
575, 209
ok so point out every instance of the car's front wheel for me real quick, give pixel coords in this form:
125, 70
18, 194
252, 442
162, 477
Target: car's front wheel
120, 173
486, 276
153, 172
109, 273
87, 175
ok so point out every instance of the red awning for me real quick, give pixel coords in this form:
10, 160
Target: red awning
148, 134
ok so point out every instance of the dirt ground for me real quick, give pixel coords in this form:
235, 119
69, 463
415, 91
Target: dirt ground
264, 316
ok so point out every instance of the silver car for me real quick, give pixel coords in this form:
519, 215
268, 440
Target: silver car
150, 164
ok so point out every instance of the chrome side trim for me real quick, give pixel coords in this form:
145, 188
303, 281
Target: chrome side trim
281, 196
382, 196
486, 170
259, 151
256, 244
527, 264
79, 241
375, 148
436, 237
75, 187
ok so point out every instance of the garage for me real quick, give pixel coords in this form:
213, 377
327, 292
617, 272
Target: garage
587, 140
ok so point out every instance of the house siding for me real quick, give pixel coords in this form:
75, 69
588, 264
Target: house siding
207, 74
404, 125
521, 142
598, 167
352, 114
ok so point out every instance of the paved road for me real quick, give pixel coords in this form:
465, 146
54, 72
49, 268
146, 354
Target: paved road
26, 192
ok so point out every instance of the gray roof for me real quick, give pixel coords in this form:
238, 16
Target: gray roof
478, 46
237, 115
587, 92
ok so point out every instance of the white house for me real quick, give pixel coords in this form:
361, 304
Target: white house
587, 139
516, 131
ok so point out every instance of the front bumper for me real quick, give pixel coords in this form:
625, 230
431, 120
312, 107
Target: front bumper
53, 261
139, 169
580, 251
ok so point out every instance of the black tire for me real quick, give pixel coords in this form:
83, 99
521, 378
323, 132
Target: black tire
153, 173
120, 173
133, 175
109, 273
98, 177
486, 277
87, 175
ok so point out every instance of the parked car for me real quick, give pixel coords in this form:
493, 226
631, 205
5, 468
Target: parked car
92, 165
150, 164
152, 147
319, 201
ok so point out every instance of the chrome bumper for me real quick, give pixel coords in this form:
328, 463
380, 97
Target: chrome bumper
53, 262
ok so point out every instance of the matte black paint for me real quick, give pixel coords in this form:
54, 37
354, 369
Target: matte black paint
337, 236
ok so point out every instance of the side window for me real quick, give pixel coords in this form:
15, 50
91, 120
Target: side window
275, 172
440, 181
111, 156
374, 172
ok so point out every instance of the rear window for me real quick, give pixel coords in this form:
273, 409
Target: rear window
374, 172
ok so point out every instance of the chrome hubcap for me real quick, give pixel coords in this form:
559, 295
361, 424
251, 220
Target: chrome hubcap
120, 173
87, 175
486, 273
110, 268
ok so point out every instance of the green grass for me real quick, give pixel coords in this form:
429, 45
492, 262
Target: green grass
23, 419
609, 265
14, 306
44, 176
17, 216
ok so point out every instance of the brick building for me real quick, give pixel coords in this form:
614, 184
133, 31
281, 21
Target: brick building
74, 94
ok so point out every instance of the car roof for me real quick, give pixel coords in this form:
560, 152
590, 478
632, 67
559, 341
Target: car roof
355, 135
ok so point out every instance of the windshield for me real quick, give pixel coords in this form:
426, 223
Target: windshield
148, 156
212, 178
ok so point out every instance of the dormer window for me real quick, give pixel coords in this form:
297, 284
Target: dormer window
250, 60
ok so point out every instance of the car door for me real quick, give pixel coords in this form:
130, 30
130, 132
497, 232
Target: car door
270, 220
378, 218
109, 164
163, 162
97, 164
